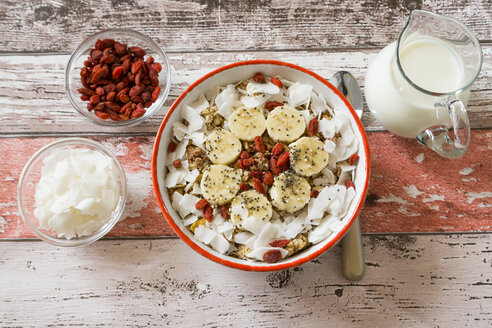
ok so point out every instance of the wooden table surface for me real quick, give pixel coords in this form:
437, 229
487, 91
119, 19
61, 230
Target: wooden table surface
427, 221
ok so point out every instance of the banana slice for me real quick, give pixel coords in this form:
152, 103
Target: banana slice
220, 183
307, 156
250, 203
290, 192
247, 123
285, 124
222, 147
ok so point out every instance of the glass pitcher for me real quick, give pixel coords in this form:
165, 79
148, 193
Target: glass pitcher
418, 87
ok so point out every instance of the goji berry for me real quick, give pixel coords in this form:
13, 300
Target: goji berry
244, 155
117, 72
271, 105
259, 145
201, 204
120, 48
136, 90
138, 112
314, 193
137, 51
102, 115
258, 186
313, 127
98, 45
349, 184
127, 64
272, 256
146, 96
94, 100
241, 164
110, 96
172, 147
177, 163
136, 67
108, 43
259, 78
277, 149
124, 98
126, 106
268, 178
208, 213
273, 166
354, 158
247, 162
244, 186
155, 93
224, 212
279, 243
157, 67
277, 82
283, 159
86, 91
255, 174
149, 60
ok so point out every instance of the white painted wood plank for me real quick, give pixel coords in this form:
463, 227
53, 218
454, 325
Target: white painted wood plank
411, 281
33, 99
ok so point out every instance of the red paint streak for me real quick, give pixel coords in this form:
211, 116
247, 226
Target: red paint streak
393, 166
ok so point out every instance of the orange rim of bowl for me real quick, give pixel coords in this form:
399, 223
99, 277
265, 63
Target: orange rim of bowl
241, 266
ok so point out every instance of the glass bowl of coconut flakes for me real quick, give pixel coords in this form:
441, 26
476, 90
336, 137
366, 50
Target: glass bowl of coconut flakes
72, 192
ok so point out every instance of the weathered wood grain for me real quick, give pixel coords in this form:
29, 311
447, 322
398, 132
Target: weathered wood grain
411, 281
42, 26
412, 189
33, 99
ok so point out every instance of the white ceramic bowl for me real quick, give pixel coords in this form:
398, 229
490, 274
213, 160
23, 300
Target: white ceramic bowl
231, 74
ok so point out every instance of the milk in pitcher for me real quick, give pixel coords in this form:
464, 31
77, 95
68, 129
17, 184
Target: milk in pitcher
432, 65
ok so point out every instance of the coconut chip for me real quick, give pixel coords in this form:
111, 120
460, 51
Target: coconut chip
200, 104
194, 119
307, 116
299, 94
268, 88
242, 237
327, 128
269, 233
204, 234
179, 130
322, 231
190, 219
254, 101
227, 100
253, 224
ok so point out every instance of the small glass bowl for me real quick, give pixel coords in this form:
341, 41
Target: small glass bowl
31, 175
132, 39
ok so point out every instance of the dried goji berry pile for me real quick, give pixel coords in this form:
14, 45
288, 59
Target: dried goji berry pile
117, 82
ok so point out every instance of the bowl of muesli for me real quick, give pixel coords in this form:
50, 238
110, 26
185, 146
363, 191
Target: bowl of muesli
261, 165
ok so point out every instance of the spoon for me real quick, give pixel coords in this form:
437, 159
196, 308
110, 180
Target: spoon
352, 253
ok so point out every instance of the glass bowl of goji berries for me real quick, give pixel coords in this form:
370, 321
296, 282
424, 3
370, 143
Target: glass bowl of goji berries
118, 77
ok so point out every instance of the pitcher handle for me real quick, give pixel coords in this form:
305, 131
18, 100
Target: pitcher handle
438, 139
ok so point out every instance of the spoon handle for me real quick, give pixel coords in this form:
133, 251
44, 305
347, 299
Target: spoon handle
352, 253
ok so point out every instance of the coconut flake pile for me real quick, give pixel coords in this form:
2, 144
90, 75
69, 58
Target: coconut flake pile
77, 193
319, 219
